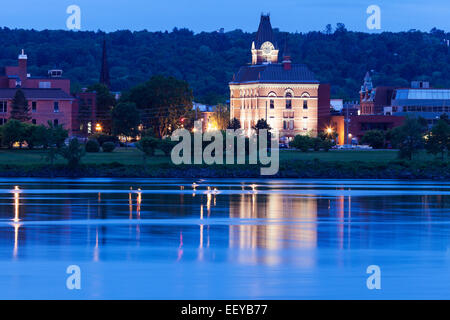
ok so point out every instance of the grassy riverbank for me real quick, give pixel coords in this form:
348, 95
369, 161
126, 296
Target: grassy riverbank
128, 162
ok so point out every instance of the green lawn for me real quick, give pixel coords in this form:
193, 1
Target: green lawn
134, 156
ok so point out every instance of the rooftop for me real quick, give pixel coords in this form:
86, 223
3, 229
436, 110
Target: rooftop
274, 73
35, 94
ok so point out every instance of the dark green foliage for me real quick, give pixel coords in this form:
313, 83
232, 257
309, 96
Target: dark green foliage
374, 138
56, 135
19, 107
207, 60
438, 140
73, 153
105, 102
234, 124
125, 119
102, 138
166, 146
301, 142
35, 136
408, 138
13, 131
148, 145
108, 146
165, 104
92, 145
304, 143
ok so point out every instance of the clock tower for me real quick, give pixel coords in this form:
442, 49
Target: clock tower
264, 48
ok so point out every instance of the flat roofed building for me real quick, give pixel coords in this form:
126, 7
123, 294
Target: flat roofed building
418, 102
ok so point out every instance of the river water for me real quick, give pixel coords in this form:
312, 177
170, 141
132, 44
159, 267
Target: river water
224, 239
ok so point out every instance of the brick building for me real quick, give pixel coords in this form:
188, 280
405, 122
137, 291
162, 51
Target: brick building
48, 97
287, 95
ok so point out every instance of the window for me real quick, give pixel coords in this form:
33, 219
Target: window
288, 100
33, 106
291, 124
285, 124
45, 85
55, 122
33, 121
272, 104
2, 121
56, 106
305, 104
3, 106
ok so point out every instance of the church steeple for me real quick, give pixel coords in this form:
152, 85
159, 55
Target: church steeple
104, 73
264, 48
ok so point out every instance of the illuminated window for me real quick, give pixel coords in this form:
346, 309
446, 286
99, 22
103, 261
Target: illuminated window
288, 100
56, 106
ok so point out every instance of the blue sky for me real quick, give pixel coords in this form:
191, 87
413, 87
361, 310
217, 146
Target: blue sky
209, 15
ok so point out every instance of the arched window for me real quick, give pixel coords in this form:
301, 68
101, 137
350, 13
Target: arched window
288, 100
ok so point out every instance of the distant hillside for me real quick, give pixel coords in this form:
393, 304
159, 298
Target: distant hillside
208, 60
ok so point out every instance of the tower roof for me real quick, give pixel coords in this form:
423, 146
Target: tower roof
265, 32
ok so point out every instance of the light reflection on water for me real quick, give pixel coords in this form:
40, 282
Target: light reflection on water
224, 238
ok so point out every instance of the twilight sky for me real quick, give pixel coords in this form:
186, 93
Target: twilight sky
210, 15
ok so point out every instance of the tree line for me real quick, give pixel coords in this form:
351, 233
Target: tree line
208, 60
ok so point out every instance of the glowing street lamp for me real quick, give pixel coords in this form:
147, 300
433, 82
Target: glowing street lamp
98, 127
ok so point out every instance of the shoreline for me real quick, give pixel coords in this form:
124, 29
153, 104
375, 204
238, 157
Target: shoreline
312, 169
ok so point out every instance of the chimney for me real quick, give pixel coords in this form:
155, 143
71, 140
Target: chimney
23, 66
286, 57
287, 63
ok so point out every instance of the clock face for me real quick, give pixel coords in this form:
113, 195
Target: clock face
267, 47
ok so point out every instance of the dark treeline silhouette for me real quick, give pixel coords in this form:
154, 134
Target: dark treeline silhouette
208, 60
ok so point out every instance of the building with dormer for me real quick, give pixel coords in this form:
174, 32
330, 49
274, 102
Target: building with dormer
287, 95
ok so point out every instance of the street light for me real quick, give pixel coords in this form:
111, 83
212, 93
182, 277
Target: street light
98, 127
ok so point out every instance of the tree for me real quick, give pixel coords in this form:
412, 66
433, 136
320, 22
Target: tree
374, 138
234, 124
105, 101
438, 140
56, 135
125, 119
301, 142
147, 145
261, 124
35, 135
13, 131
19, 107
165, 102
220, 117
408, 137
73, 153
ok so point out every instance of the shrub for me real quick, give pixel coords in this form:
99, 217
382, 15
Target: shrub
374, 138
92, 145
166, 145
301, 142
102, 138
35, 136
73, 152
13, 131
108, 146
148, 145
